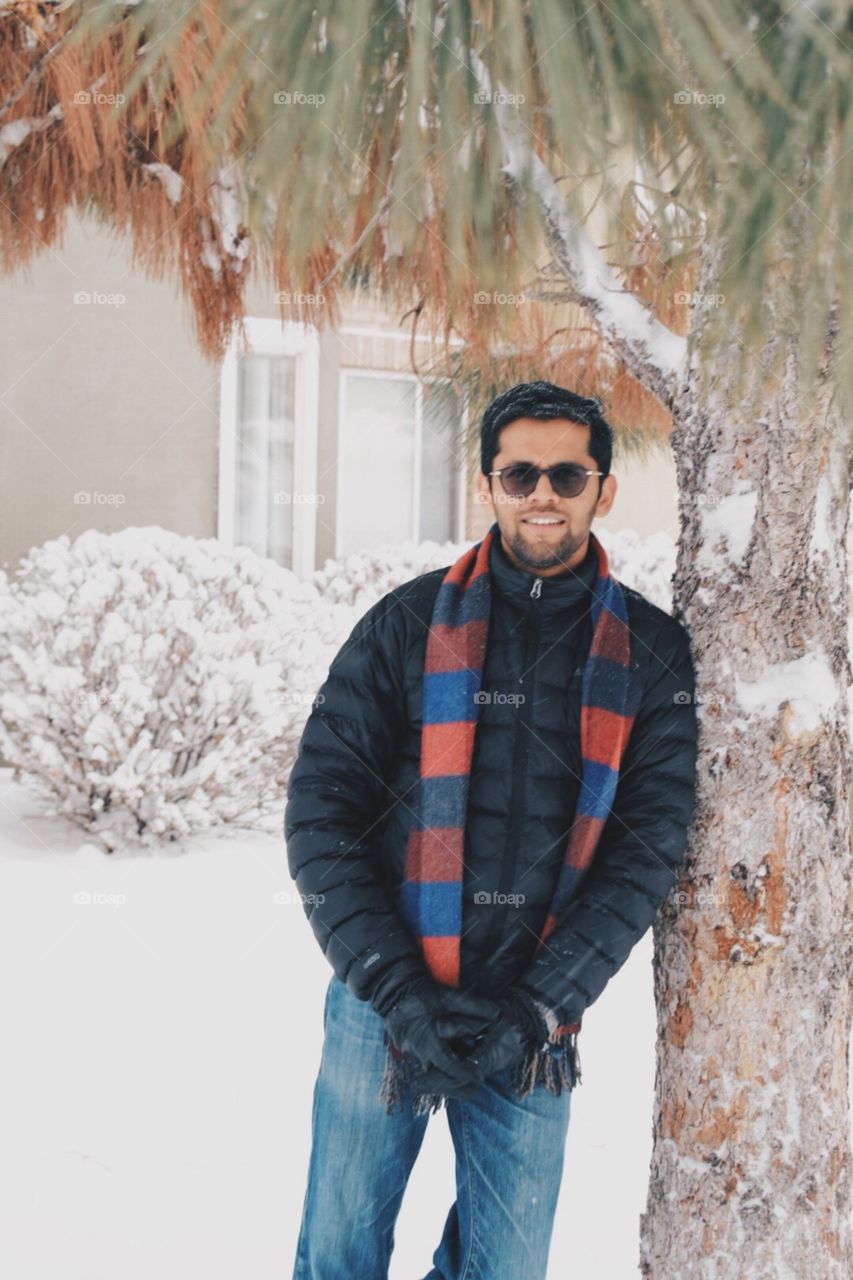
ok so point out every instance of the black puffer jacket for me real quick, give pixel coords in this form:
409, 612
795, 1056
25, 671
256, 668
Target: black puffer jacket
349, 807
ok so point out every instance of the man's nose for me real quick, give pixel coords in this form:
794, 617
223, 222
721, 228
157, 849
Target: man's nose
544, 490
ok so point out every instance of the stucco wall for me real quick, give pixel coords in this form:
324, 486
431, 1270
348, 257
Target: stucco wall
112, 401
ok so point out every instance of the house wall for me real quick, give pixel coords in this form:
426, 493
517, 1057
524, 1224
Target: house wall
110, 401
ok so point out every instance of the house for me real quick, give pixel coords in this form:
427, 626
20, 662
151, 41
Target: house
314, 444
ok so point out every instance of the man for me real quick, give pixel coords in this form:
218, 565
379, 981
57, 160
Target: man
489, 805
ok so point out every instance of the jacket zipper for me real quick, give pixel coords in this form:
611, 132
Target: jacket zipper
510, 856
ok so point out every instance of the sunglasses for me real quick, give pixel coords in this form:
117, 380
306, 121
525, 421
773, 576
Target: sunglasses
568, 479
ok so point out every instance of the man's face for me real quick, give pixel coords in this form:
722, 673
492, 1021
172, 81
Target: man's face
559, 544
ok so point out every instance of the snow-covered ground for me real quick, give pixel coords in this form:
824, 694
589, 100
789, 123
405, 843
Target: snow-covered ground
160, 1043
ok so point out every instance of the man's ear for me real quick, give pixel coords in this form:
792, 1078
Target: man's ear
483, 490
607, 496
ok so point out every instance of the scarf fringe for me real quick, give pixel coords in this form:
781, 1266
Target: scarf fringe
396, 1078
556, 1065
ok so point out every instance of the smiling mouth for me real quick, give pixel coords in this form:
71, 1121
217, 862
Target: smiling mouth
543, 522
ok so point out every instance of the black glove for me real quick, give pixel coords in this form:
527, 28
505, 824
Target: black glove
428, 1019
520, 1026
391, 985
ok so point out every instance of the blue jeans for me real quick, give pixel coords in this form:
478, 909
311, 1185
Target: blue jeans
509, 1164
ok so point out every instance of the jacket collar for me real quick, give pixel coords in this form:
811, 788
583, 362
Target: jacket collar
560, 592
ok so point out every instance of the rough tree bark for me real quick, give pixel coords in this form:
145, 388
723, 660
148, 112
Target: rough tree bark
751, 1167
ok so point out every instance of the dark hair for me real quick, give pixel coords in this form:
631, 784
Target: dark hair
544, 400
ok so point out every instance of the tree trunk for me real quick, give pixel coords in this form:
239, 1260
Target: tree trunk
751, 1167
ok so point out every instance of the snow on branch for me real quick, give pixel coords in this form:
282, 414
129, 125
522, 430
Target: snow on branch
17, 131
173, 183
651, 352
230, 245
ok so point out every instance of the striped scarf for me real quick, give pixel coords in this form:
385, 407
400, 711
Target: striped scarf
431, 892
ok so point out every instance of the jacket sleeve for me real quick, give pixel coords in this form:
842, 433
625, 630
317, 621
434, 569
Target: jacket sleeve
641, 845
337, 793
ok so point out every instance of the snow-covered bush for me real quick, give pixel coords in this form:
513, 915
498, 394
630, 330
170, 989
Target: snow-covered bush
644, 563
154, 685
360, 580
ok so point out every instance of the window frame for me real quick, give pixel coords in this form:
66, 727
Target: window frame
398, 375
271, 337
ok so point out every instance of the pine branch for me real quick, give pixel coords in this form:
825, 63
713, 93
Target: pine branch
650, 352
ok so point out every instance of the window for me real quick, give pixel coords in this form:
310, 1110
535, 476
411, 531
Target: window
399, 471
268, 444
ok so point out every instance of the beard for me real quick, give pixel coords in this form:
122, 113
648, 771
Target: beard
540, 555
